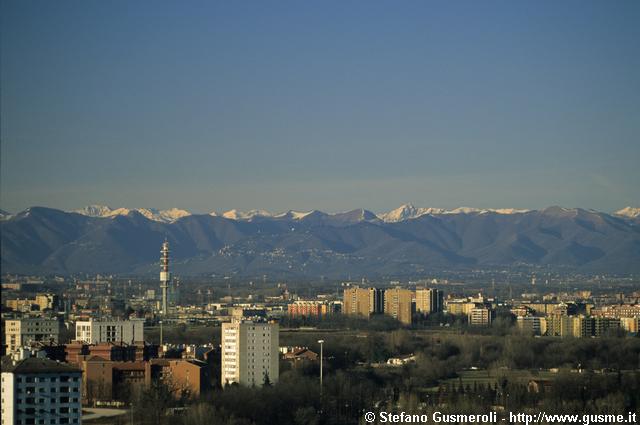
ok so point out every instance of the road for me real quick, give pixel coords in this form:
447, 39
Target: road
93, 413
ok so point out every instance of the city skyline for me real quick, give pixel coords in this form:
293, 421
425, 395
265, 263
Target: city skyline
321, 213
330, 107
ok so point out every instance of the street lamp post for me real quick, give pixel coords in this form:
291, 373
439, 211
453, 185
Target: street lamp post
321, 342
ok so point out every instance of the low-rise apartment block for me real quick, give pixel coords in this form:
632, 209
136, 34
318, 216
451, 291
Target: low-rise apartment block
121, 331
311, 308
40, 391
23, 332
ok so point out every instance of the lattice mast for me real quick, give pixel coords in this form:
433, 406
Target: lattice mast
165, 276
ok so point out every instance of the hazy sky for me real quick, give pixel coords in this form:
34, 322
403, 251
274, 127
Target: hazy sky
318, 104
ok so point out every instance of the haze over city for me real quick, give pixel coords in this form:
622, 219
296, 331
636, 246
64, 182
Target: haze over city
332, 106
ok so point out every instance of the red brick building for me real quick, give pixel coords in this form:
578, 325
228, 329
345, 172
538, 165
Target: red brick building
308, 309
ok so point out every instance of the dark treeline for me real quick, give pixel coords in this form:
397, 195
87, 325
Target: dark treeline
595, 376
503, 324
182, 333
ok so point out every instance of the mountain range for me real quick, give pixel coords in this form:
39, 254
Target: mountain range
404, 241
404, 212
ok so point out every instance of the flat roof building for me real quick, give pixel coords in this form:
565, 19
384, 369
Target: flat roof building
23, 332
97, 331
250, 354
398, 303
306, 308
36, 391
357, 301
480, 316
532, 325
429, 300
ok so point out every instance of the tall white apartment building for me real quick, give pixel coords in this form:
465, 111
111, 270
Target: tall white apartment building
97, 331
40, 391
250, 352
22, 332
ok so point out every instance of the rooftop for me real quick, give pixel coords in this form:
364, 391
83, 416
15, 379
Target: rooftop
35, 365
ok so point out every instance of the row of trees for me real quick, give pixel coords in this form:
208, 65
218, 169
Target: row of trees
461, 350
296, 399
353, 386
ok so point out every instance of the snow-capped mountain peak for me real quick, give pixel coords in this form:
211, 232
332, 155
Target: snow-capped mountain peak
294, 215
248, 215
402, 213
465, 210
630, 212
175, 213
299, 215
5, 215
408, 212
95, 211
366, 215
469, 210
164, 216
510, 211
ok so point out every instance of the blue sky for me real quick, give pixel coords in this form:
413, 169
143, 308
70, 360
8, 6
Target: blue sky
328, 105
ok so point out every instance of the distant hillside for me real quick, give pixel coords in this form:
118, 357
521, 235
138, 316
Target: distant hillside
315, 243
